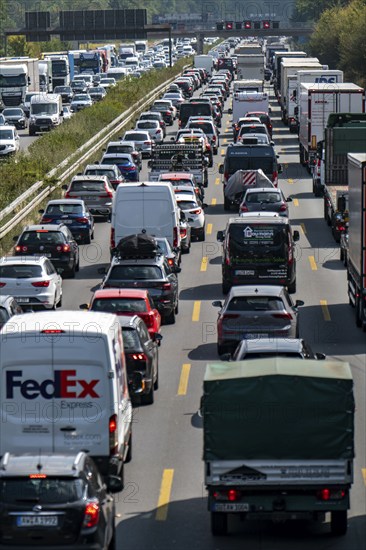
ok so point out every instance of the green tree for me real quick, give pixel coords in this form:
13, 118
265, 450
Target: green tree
352, 42
325, 40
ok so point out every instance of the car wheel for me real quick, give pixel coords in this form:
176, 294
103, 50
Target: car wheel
59, 304
225, 288
156, 383
292, 287
216, 150
129, 452
170, 318
77, 266
176, 309
227, 204
210, 162
112, 545
338, 523
218, 524
72, 271
202, 235
87, 239
148, 398
341, 255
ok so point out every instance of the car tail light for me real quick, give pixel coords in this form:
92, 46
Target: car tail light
183, 232
331, 494
68, 195
170, 261
46, 220
112, 241
233, 495
91, 515
129, 169
166, 286
82, 220
283, 315
2, 285
107, 193
19, 248
198, 211
283, 208
42, 284
137, 356
147, 142
149, 319
63, 248
175, 237
244, 208
227, 316
113, 434
158, 131
226, 176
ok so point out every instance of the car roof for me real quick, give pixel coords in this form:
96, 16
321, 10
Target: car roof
89, 178
263, 190
101, 166
273, 344
262, 216
60, 465
117, 156
120, 293
66, 201
256, 290
176, 175
128, 320
47, 227
13, 260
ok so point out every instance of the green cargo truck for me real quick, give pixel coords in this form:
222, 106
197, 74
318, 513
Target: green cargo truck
278, 440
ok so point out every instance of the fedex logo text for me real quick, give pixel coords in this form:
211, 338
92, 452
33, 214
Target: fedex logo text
64, 386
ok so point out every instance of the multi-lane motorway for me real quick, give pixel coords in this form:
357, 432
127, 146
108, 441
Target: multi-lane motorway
163, 505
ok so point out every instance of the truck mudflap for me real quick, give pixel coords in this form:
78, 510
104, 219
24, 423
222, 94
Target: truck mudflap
267, 473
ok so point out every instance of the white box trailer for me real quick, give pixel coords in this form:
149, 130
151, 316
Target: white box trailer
243, 102
316, 103
289, 66
277, 58
250, 66
248, 85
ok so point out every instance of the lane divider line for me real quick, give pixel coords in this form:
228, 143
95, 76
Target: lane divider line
164, 495
196, 310
217, 181
364, 475
184, 377
295, 202
303, 228
290, 181
209, 229
204, 264
325, 310
313, 265
225, 140
213, 202
222, 152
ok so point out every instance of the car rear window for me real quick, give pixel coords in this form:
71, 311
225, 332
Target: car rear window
42, 236
87, 186
64, 209
20, 271
136, 136
205, 126
130, 338
255, 303
187, 205
263, 197
100, 172
262, 355
134, 272
252, 130
115, 305
119, 149
147, 124
41, 491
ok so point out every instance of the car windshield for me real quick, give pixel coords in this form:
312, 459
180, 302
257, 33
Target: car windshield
255, 303
6, 134
20, 271
177, 183
87, 186
130, 338
119, 161
116, 305
63, 209
12, 112
134, 272
48, 490
81, 97
42, 236
62, 89
247, 162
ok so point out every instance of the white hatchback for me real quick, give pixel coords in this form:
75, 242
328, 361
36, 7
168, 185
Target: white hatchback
9, 140
153, 127
32, 280
194, 213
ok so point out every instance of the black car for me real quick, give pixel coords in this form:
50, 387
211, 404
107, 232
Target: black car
142, 356
56, 242
66, 93
49, 501
152, 273
15, 116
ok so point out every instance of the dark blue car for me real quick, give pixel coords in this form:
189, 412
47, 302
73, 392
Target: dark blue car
130, 171
75, 214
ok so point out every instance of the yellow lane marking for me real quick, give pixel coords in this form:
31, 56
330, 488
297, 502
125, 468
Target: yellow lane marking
225, 140
164, 496
217, 181
204, 264
213, 202
325, 310
184, 377
290, 180
303, 228
222, 152
196, 310
209, 228
313, 265
295, 202
364, 475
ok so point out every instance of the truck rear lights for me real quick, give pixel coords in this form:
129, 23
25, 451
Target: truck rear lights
233, 495
331, 494
166, 286
137, 356
91, 515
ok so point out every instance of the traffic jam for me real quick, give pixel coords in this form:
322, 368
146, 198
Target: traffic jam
182, 331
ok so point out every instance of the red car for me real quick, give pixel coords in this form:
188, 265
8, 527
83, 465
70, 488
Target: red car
127, 301
264, 118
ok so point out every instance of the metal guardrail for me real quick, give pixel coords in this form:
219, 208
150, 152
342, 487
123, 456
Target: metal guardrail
91, 146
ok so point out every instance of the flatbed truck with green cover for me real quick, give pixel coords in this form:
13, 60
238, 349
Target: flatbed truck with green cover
278, 440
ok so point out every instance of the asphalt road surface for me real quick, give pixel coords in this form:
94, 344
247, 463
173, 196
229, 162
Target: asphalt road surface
164, 504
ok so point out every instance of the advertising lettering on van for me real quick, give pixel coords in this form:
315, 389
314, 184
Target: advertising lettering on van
65, 385
261, 234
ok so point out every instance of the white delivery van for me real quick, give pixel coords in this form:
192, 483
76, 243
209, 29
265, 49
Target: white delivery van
64, 387
145, 207
244, 102
46, 112
204, 62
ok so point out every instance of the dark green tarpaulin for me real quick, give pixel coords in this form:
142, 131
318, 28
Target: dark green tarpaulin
278, 408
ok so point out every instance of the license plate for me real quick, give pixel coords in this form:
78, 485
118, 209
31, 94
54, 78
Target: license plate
43, 128
244, 272
89, 197
255, 336
47, 254
22, 300
35, 521
66, 221
232, 507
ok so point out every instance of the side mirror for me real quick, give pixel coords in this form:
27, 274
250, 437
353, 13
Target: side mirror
320, 356
79, 174
149, 164
225, 357
84, 306
157, 337
64, 187
61, 113
204, 205
102, 271
217, 303
15, 238
289, 199
296, 236
230, 111
221, 168
272, 143
41, 211
279, 168
220, 236
114, 484
299, 303
176, 269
